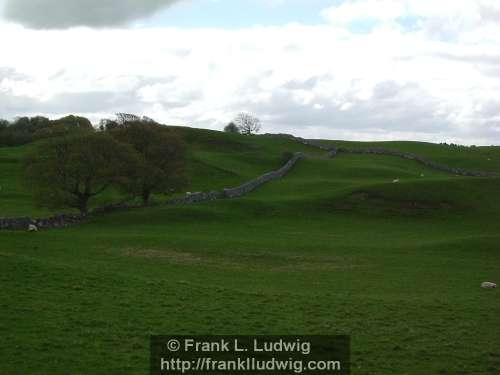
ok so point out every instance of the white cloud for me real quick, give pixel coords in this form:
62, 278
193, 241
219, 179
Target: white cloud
442, 19
389, 83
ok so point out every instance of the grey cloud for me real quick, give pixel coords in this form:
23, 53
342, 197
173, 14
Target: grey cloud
487, 64
13, 105
392, 109
490, 109
308, 84
91, 102
10, 73
471, 58
62, 14
87, 102
489, 13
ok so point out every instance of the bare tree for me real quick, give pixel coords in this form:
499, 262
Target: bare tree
123, 118
247, 124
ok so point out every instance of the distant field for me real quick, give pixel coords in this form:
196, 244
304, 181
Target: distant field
335, 247
485, 158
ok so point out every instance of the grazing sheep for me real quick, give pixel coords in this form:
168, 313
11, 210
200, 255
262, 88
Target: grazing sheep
395, 181
32, 228
488, 285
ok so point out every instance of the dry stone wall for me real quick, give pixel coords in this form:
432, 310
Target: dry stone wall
189, 198
252, 185
49, 222
334, 151
410, 156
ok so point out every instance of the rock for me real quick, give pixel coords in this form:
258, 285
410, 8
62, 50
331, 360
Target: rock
32, 228
488, 285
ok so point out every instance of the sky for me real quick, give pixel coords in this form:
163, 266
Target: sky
422, 70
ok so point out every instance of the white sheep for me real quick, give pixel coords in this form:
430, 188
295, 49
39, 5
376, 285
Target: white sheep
395, 181
488, 285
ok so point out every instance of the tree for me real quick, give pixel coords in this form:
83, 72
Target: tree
3, 124
123, 118
107, 124
69, 171
247, 124
64, 126
231, 128
72, 121
162, 154
148, 120
22, 130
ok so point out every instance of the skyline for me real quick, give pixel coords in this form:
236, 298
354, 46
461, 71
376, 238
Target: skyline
359, 70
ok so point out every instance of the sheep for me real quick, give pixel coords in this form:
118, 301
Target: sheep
488, 285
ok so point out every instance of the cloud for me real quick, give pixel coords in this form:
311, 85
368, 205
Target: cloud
443, 19
62, 14
314, 81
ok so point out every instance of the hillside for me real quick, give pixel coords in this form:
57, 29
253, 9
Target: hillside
215, 160
474, 158
335, 247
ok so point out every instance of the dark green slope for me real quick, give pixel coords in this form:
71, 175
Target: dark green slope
334, 247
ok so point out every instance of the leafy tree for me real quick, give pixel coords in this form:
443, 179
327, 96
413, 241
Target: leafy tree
162, 154
3, 124
123, 120
69, 171
247, 124
30, 124
231, 128
108, 124
148, 120
64, 126
22, 130
72, 121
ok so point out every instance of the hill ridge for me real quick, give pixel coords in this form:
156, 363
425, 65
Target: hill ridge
333, 151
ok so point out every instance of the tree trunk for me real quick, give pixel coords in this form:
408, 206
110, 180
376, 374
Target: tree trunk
146, 193
83, 204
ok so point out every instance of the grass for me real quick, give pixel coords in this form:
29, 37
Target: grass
333, 248
215, 161
483, 158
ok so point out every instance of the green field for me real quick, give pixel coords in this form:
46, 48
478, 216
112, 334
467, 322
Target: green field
335, 247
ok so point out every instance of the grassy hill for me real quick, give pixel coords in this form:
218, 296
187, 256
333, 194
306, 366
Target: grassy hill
335, 247
216, 160
485, 158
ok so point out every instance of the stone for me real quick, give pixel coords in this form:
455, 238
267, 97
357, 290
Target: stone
190, 197
488, 285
